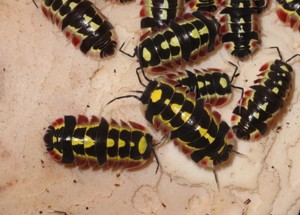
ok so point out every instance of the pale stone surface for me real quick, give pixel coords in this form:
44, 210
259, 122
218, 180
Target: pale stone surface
42, 77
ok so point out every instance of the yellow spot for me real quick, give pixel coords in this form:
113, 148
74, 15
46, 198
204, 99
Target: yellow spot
203, 31
200, 84
202, 131
87, 18
94, 25
207, 83
72, 5
223, 82
174, 42
156, 95
146, 54
256, 115
176, 108
283, 67
275, 90
242, 21
264, 106
209, 138
142, 145
194, 34
185, 116
110, 143
121, 143
164, 45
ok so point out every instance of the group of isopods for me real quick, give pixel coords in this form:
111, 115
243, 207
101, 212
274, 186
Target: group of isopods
179, 104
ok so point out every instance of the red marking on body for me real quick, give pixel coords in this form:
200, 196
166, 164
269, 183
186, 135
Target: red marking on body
223, 19
137, 126
81, 162
178, 62
82, 120
156, 124
142, 2
134, 164
124, 124
75, 41
244, 102
203, 163
114, 123
217, 42
213, 101
254, 44
223, 29
212, 70
55, 156
92, 162
186, 150
258, 81
256, 136
202, 53
94, 119
228, 46
143, 12
165, 130
182, 89
187, 16
248, 93
282, 15
158, 69
233, 118
57, 21
207, 106
192, 4
67, 34
230, 135
293, 21
221, 101
45, 11
264, 67
59, 121
143, 36
176, 142
217, 116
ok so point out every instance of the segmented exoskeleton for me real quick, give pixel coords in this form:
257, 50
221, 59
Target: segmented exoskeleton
265, 99
289, 12
157, 13
182, 41
239, 27
212, 85
205, 5
82, 23
189, 122
95, 142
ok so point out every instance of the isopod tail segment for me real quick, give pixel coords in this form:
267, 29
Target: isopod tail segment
261, 5
239, 27
289, 12
189, 122
180, 42
205, 5
83, 24
264, 100
97, 143
211, 84
156, 14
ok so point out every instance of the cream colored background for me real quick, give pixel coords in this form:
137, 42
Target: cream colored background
42, 77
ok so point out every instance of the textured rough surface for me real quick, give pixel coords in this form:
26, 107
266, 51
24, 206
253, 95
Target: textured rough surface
42, 77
